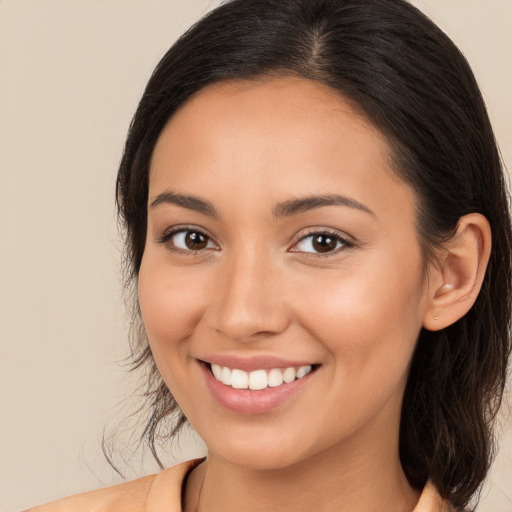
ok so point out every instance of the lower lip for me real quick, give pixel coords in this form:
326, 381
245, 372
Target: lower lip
247, 401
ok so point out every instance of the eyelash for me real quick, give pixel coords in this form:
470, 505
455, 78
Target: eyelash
345, 243
166, 239
168, 235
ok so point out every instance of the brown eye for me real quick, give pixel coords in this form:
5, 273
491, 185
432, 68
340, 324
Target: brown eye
195, 241
324, 243
321, 243
188, 240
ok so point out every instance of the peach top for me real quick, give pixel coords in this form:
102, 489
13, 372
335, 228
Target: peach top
162, 493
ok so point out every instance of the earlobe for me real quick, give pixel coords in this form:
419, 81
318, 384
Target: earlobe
456, 279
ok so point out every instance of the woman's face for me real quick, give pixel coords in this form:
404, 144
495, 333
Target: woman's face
279, 237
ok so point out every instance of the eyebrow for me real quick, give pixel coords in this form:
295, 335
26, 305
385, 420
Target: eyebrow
185, 201
303, 204
281, 210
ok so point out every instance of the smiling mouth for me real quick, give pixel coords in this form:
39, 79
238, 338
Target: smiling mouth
258, 379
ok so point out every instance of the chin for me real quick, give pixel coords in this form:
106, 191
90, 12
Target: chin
264, 451
258, 459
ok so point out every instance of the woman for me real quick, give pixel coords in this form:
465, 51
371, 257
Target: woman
318, 230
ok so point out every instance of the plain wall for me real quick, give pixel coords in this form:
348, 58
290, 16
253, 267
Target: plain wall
71, 74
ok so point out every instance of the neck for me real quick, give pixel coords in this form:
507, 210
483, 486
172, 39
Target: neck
366, 477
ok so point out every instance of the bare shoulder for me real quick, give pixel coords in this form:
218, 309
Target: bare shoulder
124, 497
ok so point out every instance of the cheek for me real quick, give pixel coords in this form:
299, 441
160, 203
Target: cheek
368, 319
170, 304
369, 332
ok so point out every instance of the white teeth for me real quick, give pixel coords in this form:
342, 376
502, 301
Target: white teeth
239, 379
258, 379
217, 371
302, 371
274, 378
289, 375
226, 376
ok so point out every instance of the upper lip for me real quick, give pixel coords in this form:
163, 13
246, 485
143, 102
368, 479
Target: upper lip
254, 362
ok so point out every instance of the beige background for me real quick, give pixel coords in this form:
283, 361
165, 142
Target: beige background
72, 72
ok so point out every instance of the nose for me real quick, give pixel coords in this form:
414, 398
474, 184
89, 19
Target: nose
250, 301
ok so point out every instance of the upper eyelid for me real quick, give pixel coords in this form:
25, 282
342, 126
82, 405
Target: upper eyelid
166, 236
344, 237
346, 245
302, 235
174, 230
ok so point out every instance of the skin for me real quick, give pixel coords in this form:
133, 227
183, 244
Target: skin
259, 288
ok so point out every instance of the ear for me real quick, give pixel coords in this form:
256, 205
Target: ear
455, 280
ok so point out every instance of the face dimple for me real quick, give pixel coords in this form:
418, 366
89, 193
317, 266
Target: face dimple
335, 280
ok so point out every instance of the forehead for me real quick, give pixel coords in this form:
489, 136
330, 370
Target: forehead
273, 114
273, 139
265, 99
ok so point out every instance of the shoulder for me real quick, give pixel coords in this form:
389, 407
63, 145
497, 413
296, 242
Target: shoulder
128, 496
161, 491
